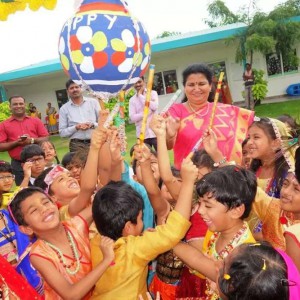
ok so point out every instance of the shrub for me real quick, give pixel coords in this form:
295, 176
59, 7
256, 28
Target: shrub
5, 112
112, 102
260, 87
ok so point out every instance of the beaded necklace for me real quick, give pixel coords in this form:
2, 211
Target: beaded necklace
197, 112
211, 249
62, 258
229, 247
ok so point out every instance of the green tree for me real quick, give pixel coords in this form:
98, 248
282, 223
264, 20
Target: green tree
277, 31
167, 34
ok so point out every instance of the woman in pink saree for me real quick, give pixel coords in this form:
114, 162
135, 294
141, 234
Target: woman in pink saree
190, 119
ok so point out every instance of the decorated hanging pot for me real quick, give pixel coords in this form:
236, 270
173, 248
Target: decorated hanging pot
104, 47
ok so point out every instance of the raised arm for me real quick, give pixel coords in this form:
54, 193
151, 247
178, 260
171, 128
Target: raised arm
158, 125
89, 174
27, 174
116, 156
189, 174
161, 207
172, 129
104, 160
166, 236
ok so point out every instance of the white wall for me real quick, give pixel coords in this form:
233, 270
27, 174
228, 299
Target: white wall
213, 52
41, 90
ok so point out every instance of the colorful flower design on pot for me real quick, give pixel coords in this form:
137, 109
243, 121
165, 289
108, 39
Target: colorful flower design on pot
102, 44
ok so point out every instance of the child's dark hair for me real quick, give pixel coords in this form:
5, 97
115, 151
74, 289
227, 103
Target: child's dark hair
285, 118
40, 181
281, 166
230, 185
52, 144
201, 159
30, 151
244, 143
67, 159
5, 167
15, 205
113, 206
256, 271
80, 157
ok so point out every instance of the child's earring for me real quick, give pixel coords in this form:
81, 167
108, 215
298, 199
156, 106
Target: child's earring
226, 276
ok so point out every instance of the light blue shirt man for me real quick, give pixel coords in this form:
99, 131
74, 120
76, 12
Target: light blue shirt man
78, 117
71, 115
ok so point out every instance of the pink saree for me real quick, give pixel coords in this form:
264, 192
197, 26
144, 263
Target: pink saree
230, 125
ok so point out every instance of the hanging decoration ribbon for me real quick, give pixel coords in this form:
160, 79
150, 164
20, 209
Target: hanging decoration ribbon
120, 123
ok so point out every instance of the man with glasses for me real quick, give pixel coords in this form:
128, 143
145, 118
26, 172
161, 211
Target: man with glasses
18, 131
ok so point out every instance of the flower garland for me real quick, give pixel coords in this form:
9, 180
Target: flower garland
8, 7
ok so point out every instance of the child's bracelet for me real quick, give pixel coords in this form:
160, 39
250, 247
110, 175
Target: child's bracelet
220, 163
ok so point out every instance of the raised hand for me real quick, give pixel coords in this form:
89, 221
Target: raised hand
210, 144
173, 125
114, 145
209, 141
142, 153
98, 137
158, 125
189, 171
27, 169
103, 114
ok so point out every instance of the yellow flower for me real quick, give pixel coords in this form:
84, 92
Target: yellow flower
11, 6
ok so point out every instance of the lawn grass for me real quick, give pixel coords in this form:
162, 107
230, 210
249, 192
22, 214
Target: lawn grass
264, 110
62, 144
273, 110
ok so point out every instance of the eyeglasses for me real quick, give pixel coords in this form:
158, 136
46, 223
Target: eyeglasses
8, 177
35, 160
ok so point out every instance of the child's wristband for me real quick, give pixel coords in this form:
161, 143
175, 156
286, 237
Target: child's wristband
220, 163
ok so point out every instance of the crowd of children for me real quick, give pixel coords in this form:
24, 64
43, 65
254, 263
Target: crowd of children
89, 229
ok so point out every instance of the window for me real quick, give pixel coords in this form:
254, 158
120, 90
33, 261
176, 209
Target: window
225, 95
165, 82
276, 64
62, 97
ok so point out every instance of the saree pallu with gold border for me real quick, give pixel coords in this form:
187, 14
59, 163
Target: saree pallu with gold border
230, 126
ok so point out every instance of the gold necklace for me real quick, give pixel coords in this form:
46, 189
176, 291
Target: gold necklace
197, 112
